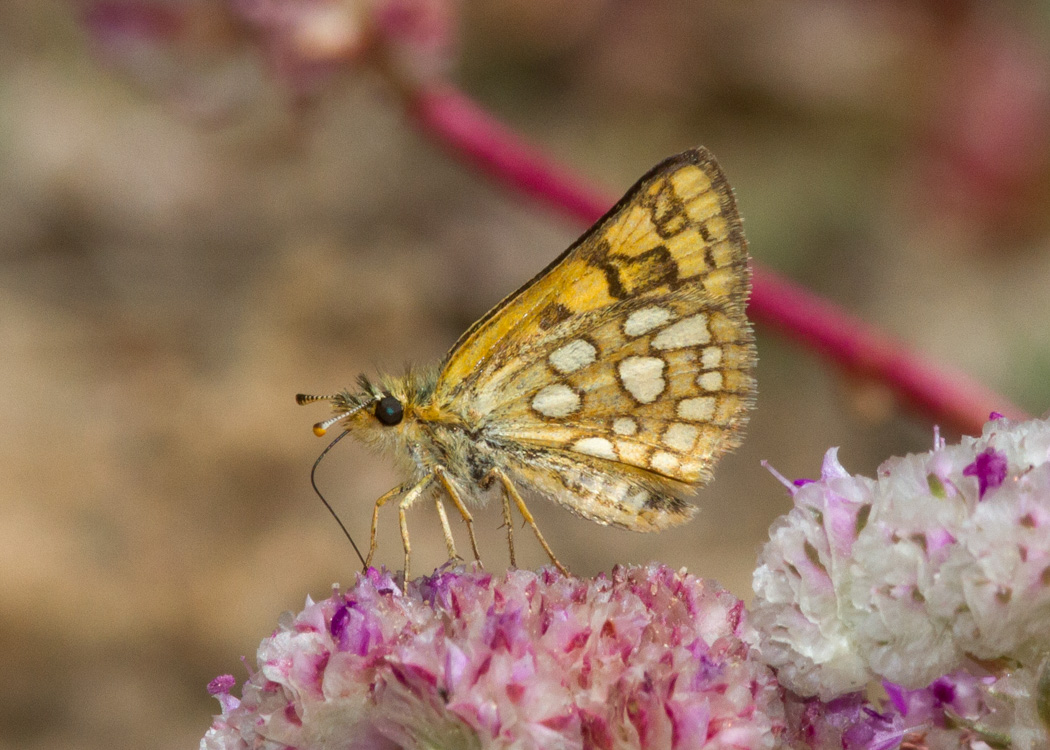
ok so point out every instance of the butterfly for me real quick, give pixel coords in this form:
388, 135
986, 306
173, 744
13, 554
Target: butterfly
610, 383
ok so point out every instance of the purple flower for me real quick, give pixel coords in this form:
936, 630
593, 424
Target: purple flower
220, 688
221, 684
642, 658
960, 711
846, 723
990, 469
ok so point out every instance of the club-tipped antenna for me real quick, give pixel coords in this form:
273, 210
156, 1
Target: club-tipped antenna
321, 428
303, 398
313, 481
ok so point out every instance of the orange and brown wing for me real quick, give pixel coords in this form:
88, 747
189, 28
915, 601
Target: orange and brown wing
640, 321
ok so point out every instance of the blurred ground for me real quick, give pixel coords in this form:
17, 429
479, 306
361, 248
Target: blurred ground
169, 281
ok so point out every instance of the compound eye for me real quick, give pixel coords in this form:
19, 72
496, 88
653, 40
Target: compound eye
389, 410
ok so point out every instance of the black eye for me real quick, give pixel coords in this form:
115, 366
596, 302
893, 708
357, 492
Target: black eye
389, 410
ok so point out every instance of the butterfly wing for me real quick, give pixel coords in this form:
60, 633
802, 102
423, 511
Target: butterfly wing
630, 354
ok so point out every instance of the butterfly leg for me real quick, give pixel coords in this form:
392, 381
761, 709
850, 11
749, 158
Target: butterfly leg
375, 521
406, 502
512, 491
457, 500
509, 523
450, 543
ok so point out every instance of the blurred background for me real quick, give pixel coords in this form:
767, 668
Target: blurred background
195, 225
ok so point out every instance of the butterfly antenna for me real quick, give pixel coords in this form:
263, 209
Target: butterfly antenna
313, 481
341, 399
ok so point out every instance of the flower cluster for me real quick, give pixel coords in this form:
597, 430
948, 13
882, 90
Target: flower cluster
944, 557
206, 54
307, 40
933, 578
644, 658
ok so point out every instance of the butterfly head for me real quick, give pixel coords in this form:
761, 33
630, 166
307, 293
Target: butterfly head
373, 407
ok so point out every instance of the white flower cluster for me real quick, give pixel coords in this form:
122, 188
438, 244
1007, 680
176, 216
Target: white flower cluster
943, 558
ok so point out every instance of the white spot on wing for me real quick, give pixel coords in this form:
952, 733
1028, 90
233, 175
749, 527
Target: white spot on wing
643, 377
699, 409
595, 446
645, 320
615, 490
686, 332
711, 358
632, 453
710, 381
638, 498
625, 426
664, 462
572, 356
681, 437
557, 400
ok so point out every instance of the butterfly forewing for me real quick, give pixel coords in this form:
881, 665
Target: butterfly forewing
631, 351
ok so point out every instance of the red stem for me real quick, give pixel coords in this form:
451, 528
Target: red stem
949, 397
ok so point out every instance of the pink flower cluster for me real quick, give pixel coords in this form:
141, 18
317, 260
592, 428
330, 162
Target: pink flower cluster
644, 658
